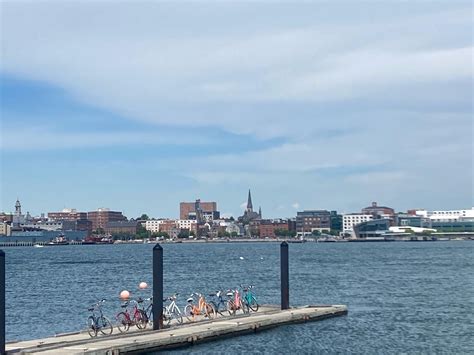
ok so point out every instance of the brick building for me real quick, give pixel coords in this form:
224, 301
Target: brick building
187, 210
102, 216
122, 227
268, 227
309, 221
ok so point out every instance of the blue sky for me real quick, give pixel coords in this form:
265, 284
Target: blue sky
311, 105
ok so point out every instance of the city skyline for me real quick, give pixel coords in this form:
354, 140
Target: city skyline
315, 106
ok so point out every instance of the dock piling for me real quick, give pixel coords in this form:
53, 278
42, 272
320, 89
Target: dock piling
157, 287
2, 302
284, 272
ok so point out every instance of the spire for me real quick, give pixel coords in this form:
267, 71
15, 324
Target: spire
260, 212
249, 203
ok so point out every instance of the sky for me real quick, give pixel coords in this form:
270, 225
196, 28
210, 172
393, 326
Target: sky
136, 106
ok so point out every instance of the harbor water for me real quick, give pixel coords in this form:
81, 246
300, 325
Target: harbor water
406, 297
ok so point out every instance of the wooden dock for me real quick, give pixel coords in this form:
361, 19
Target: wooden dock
136, 342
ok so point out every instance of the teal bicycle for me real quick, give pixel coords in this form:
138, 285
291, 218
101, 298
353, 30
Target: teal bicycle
249, 299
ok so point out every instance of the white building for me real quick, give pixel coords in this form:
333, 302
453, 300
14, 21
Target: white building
350, 220
189, 224
447, 216
153, 225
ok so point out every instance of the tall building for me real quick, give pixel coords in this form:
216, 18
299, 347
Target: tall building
102, 216
187, 210
309, 221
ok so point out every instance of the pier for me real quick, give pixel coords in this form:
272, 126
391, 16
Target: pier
176, 336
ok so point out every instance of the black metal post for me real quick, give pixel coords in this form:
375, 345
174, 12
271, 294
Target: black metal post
285, 280
157, 287
2, 302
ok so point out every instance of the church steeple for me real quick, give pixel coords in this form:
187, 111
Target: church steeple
249, 203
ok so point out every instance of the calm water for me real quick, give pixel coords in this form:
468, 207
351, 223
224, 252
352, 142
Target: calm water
402, 297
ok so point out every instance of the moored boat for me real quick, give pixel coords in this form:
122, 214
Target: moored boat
59, 240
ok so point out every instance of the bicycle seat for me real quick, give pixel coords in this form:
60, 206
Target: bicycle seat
230, 294
165, 299
212, 294
190, 299
124, 305
140, 300
90, 309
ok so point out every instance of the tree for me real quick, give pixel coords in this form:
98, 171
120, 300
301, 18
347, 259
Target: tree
316, 232
144, 217
142, 233
184, 233
234, 234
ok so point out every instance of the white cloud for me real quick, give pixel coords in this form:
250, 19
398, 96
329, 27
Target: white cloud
295, 205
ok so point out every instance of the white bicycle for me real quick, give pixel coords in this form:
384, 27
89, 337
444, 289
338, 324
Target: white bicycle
171, 311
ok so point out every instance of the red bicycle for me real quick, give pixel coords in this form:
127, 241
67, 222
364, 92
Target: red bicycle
136, 316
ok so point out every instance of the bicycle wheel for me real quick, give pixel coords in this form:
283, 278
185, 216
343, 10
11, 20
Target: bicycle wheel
140, 319
91, 328
188, 312
166, 316
176, 314
244, 307
253, 305
105, 326
231, 307
210, 311
122, 322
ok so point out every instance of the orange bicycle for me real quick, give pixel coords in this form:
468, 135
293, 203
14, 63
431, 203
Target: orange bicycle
197, 306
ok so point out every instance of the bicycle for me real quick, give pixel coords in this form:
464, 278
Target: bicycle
235, 303
98, 322
137, 317
202, 307
249, 298
221, 304
172, 311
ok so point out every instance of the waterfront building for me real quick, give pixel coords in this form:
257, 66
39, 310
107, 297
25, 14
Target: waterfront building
249, 214
269, 228
336, 222
50, 226
447, 215
187, 224
352, 219
372, 229
102, 216
187, 210
5, 229
313, 220
409, 220
379, 211
122, 227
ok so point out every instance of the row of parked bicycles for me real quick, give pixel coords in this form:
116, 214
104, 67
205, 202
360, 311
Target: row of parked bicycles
139, 312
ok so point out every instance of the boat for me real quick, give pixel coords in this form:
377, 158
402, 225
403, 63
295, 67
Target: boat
59, 240
38, 246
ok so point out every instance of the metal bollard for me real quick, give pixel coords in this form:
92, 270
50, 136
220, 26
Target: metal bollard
2, 302
157, 287
284, 272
